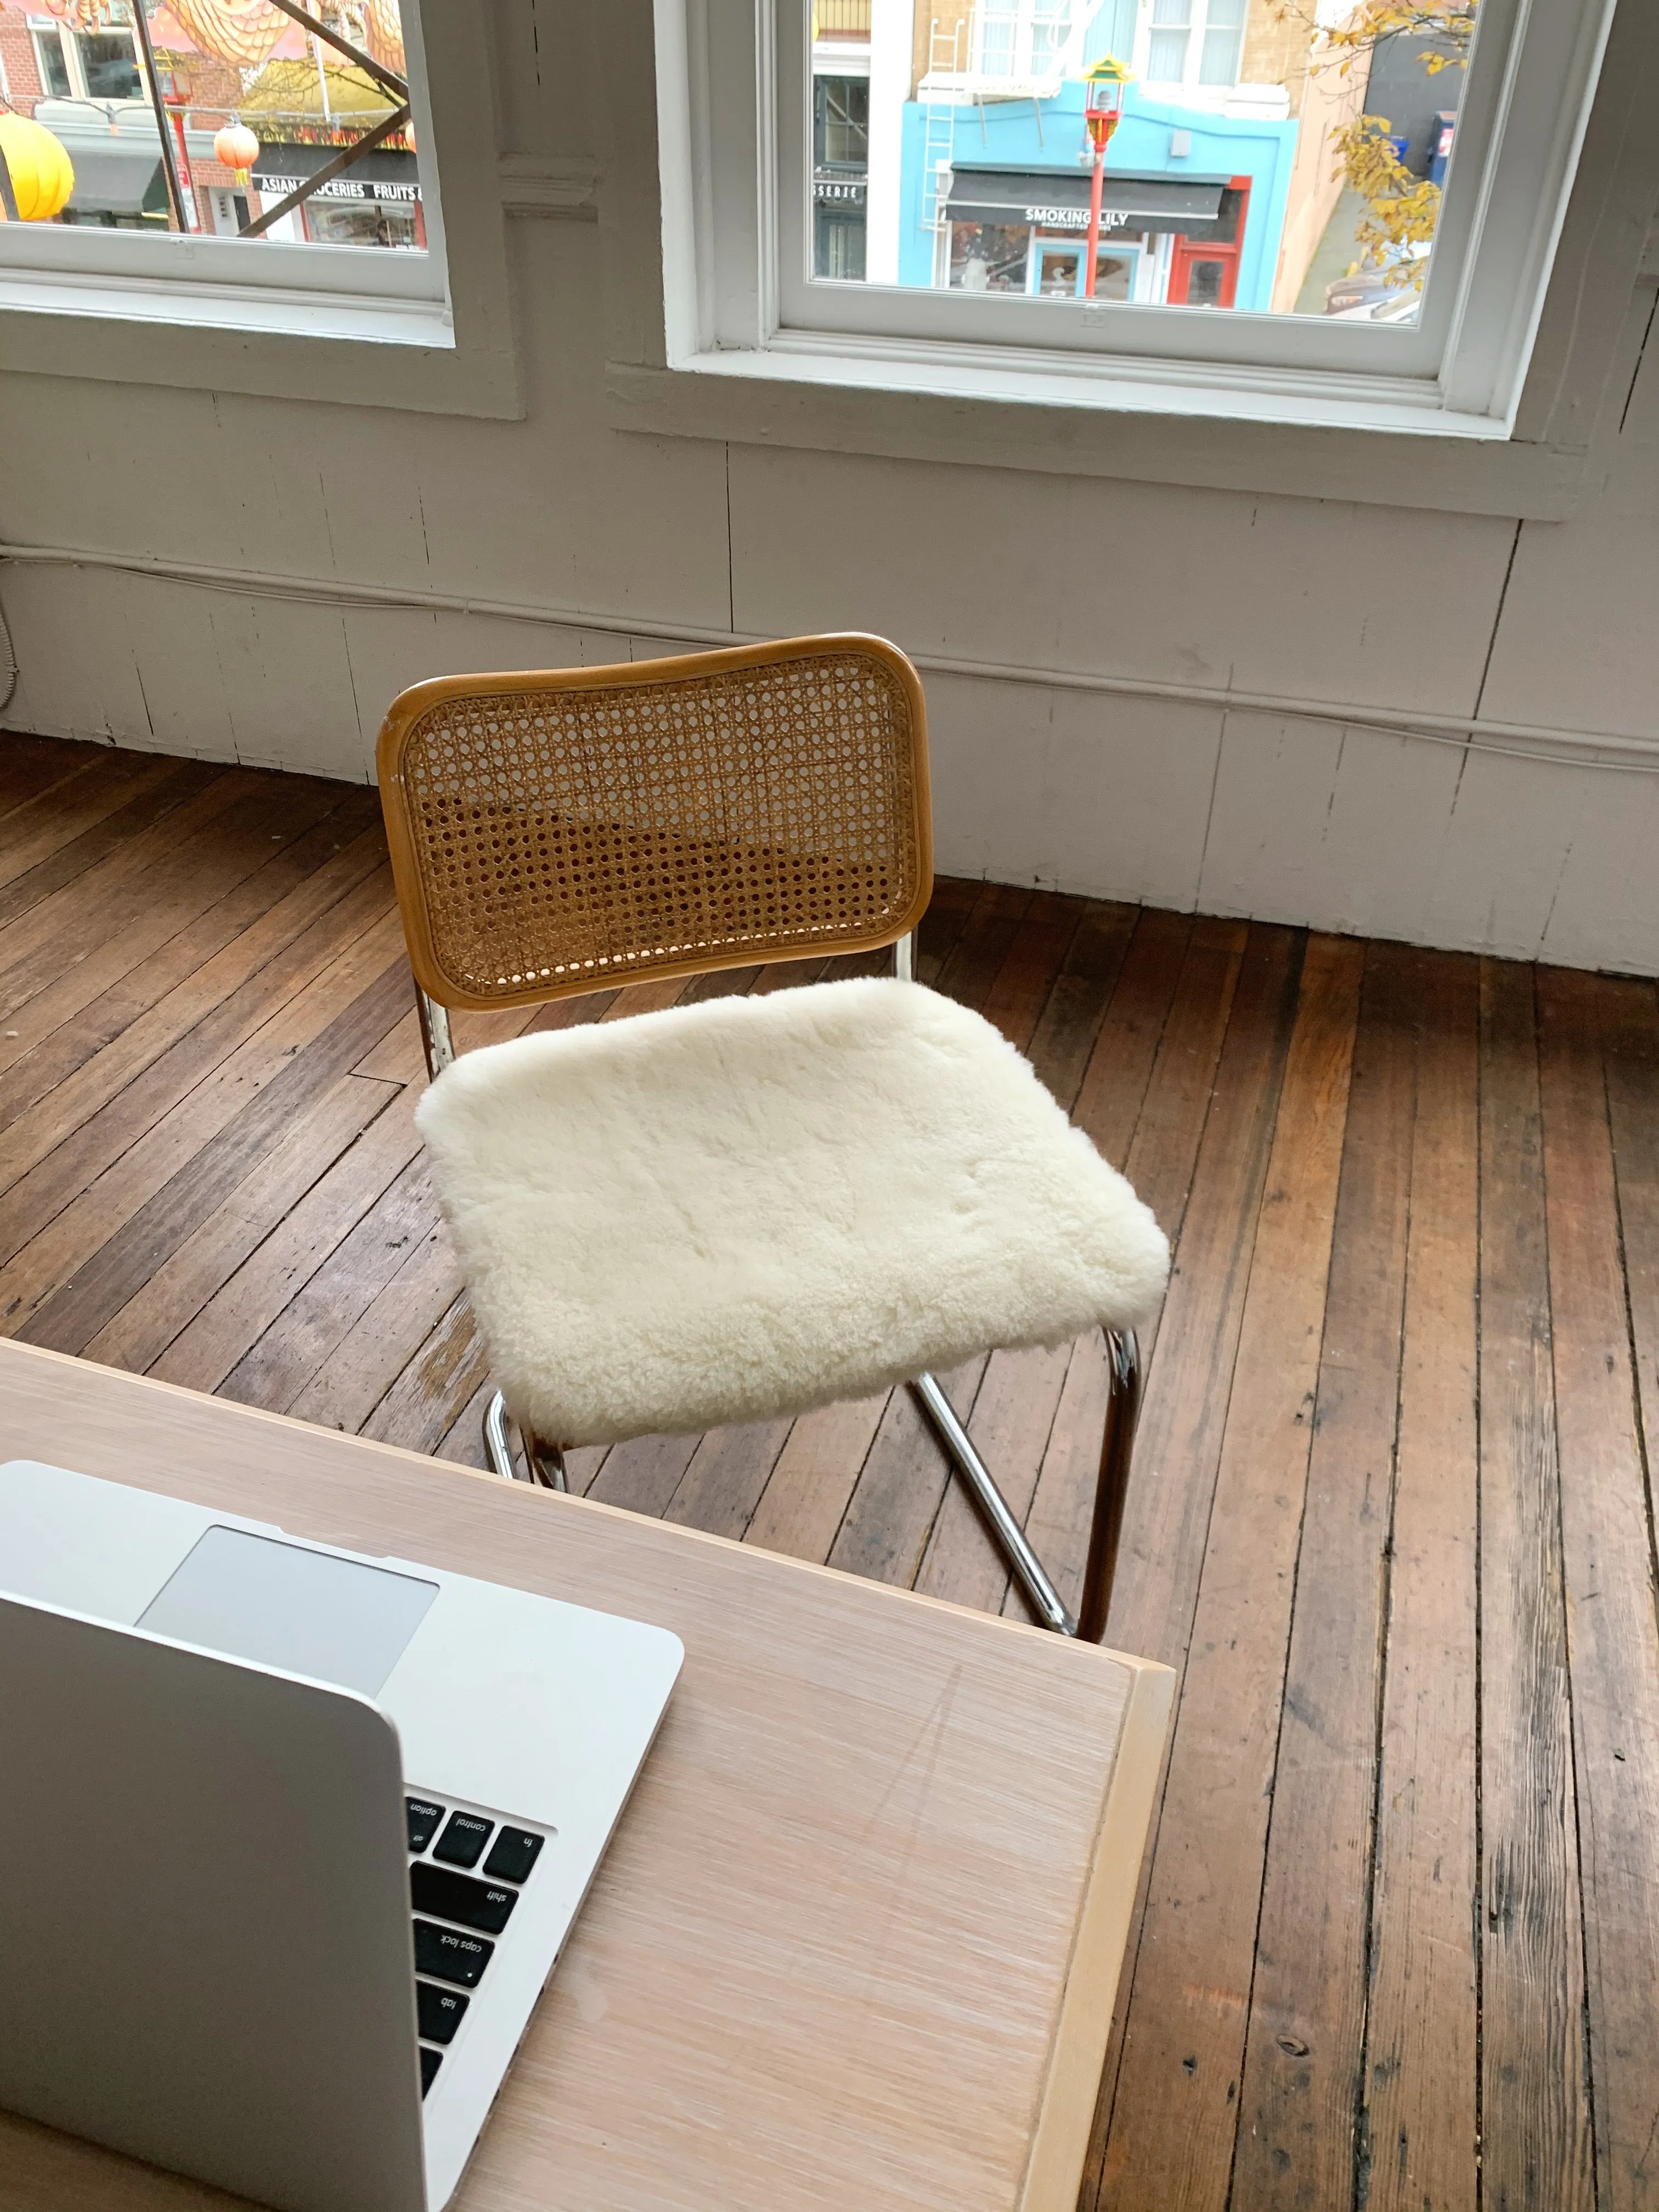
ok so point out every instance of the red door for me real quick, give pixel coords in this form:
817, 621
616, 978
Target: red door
1204, 272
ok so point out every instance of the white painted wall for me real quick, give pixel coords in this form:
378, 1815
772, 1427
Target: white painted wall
1341, 826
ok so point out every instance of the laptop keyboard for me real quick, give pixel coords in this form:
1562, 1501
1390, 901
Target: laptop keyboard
464, 1873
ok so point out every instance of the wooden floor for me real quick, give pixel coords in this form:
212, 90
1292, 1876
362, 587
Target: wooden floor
1391, 1517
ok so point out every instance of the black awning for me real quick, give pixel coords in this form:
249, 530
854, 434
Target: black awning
1058, 199
385, 172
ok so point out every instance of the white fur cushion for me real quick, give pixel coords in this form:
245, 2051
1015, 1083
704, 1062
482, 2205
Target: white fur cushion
749, 1207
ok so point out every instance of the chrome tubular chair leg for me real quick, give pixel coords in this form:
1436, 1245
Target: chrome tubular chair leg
498, 1443
1040, 1593
904, 958
545, 1463
434, 1033
1122, 1412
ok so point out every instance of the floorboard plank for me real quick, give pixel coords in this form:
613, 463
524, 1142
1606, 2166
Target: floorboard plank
899, 1489
218, 1162
93, 1114
1302, 2083
1069, 1027
947, 914
1607, 1562
806, 1495
1420, 2115
432, 1395
31, 767
725, 1478
287, 1353
174, 1294
1536, 2094
1227, 1629
1190, 1366
1106, 1101
261, 1289
228, 890
1031, 966
121, 891
55, 822
151, 1131
1172, 1024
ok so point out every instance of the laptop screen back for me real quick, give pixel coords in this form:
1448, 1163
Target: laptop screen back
280, 1605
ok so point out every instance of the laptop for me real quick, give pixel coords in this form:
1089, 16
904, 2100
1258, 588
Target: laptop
290, 1838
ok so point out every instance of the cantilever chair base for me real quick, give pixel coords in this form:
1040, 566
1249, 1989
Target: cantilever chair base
544, 1465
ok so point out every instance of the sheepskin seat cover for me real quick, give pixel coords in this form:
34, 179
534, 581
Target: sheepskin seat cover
749, 1207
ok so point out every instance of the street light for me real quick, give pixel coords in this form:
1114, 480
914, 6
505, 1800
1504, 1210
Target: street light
1102, 111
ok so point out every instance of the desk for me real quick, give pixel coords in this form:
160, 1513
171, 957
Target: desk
855, 1943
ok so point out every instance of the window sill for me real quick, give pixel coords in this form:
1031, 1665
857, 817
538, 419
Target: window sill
314, 345
322, 314
1364, 439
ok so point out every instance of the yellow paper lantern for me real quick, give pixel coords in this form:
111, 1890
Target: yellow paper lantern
236, 147
42, 174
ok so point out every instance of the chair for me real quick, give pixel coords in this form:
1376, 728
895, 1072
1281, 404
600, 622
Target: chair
740, 1208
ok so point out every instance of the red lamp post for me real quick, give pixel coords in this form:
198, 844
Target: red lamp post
1103, 110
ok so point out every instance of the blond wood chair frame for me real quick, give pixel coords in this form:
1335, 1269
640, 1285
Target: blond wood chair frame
557, 833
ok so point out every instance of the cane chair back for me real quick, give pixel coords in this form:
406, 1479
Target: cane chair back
564, 832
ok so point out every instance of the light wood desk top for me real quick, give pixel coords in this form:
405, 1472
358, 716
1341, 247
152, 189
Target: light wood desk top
856, 1941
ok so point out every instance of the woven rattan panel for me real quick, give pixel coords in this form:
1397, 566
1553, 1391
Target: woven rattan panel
564, 837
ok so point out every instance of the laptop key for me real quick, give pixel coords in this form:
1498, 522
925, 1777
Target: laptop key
448, 1957
423, 1820
463, 1841
513, 1855
481, 1904
430, 2062
438, 2012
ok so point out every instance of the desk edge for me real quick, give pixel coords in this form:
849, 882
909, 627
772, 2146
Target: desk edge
1059, 2141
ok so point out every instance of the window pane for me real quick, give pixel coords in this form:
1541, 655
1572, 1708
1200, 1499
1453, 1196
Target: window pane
989, 256
1224, 42
54, 69
996, 46
108, 64
1051, 26
1318, 195
295, 104
1166, 59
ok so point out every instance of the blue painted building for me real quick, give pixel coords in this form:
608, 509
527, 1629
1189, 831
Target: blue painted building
995, 197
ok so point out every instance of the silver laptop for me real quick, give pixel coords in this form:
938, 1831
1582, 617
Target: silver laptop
289, 1838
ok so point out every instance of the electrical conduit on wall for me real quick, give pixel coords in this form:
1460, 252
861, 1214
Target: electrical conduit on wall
1613, 750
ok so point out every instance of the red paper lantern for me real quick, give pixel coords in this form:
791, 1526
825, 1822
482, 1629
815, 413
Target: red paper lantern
236, 147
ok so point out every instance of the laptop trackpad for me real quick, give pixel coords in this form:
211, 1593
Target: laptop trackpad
308, 1612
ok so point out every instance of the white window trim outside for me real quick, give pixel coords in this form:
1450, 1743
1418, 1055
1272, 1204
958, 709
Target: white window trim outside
1189, 81
428, 330
867, 373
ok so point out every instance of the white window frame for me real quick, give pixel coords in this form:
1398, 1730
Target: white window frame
69, 60
1021, 18
430, 331
1190, 81
738, 302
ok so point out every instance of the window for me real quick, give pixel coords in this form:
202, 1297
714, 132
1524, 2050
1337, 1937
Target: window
109, 66
1196, 42
263, 213
1284, 243
1169, 41
1015, 42
50, 63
